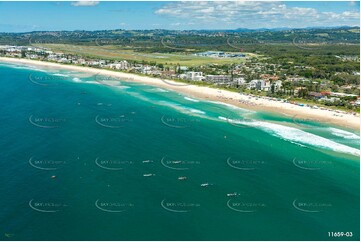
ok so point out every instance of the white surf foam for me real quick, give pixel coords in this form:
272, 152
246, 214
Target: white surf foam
191, 99
33, 68
158, 90
344, 134
58, 74
296, 135
122, 87
192, 110
181, 108
92, 82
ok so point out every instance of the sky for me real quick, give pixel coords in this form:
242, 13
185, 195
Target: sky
187, 15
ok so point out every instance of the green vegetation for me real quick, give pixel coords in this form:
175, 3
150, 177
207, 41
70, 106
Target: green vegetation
306, 61
119, 53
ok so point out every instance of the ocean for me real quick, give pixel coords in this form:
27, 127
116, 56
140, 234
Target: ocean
88, 157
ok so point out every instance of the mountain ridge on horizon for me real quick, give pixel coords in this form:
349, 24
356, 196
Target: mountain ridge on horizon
196, 30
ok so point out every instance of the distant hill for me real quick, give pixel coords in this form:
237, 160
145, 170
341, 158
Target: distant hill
191, 38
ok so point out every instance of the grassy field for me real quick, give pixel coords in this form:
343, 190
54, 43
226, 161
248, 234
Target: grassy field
115, 53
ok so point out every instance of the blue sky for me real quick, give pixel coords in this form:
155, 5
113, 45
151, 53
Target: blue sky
94, 15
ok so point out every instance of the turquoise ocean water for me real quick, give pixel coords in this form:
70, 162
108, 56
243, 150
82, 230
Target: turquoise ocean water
86, 157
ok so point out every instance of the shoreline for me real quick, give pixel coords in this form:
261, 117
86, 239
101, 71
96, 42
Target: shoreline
213, 94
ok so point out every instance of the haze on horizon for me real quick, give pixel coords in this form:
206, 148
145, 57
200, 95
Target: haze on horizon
190, 15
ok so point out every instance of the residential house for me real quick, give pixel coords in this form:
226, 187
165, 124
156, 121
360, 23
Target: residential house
194, 76
218, 78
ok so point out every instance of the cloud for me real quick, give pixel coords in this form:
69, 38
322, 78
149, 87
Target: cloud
255, 14
84, 3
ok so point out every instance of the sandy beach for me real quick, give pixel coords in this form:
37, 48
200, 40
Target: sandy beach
340, 118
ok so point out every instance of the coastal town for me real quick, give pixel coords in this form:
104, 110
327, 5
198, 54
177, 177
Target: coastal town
233, 120
249, 77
